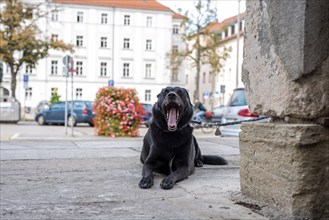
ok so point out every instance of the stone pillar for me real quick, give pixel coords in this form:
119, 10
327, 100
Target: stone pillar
286, 74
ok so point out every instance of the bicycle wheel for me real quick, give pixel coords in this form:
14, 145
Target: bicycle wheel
206, 128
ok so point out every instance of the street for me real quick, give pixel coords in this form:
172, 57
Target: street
31, 130
47, 175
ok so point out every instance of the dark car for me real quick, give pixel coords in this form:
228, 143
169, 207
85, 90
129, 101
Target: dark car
147, 116
82, 113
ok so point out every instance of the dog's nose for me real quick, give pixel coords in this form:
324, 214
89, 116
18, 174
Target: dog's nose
171, 94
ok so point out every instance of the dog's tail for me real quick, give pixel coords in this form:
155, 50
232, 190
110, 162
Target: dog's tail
213, 160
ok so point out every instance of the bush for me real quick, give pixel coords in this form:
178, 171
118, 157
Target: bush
118, 112
55, 98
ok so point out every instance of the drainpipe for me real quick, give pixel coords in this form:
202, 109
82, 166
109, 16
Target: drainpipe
113, 28
237, 46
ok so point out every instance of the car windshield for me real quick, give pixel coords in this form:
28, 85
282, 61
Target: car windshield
238, 98
90, 103
147, 107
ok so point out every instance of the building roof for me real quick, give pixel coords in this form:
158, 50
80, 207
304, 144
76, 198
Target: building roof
134, 4
220, 26
178, 16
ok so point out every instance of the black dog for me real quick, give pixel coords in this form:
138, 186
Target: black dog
169, 146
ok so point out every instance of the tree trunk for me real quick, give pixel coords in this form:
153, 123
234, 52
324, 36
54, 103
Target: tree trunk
13, 73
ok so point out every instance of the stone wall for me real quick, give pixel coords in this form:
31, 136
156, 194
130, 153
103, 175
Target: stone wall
286, 74
286, 165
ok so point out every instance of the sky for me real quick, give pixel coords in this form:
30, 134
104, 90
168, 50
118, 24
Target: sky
225, 8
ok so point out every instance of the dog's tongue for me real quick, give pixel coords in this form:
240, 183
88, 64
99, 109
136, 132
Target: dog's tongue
172, 118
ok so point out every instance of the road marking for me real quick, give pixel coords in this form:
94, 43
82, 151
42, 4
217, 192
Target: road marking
14, 136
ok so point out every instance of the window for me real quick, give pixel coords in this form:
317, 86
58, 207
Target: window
148, 21
148, 70
78, 93
175, 29
54, 15
103, 71
29, 13
54, 67
232, 29
147, 95
104, 18
186, 79
28, 93
53, 91
175, 49
148, 44
126, 43
204, 77
79, 41
240, 26
54, 37
79, 16
103, 42
79, 69
28, 69
125, 70
226, 32
126, 20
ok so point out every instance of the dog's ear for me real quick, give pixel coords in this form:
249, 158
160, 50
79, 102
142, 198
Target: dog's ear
162, 91
188, 97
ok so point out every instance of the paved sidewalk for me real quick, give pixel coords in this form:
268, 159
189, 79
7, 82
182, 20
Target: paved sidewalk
97, 178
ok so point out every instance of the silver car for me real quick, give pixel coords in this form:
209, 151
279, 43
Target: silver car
236, 109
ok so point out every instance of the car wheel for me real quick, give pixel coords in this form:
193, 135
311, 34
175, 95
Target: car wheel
91, 124
41, 120
71, 121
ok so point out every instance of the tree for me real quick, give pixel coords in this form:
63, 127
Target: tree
55, 97
20, 38
201, 43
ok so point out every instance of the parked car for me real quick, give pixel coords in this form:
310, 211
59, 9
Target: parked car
82, 113
42, 105
236, 109
147, 116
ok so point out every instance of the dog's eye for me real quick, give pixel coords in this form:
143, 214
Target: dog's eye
180, 92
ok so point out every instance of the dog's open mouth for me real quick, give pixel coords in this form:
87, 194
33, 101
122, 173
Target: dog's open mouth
172, 115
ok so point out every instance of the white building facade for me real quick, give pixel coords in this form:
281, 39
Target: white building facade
229, 77
117, 42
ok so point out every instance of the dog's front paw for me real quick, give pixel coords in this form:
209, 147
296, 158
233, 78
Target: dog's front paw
146, 182
198, 163
167, 183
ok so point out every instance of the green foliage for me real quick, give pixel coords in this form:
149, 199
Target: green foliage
20, 38
55, 98
202, 45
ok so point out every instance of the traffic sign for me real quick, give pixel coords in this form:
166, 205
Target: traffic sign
67, 59
26, 78
111, 82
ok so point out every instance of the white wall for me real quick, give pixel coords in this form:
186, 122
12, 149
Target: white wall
91, 54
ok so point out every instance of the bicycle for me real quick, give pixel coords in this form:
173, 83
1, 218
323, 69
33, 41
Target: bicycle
206, 123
